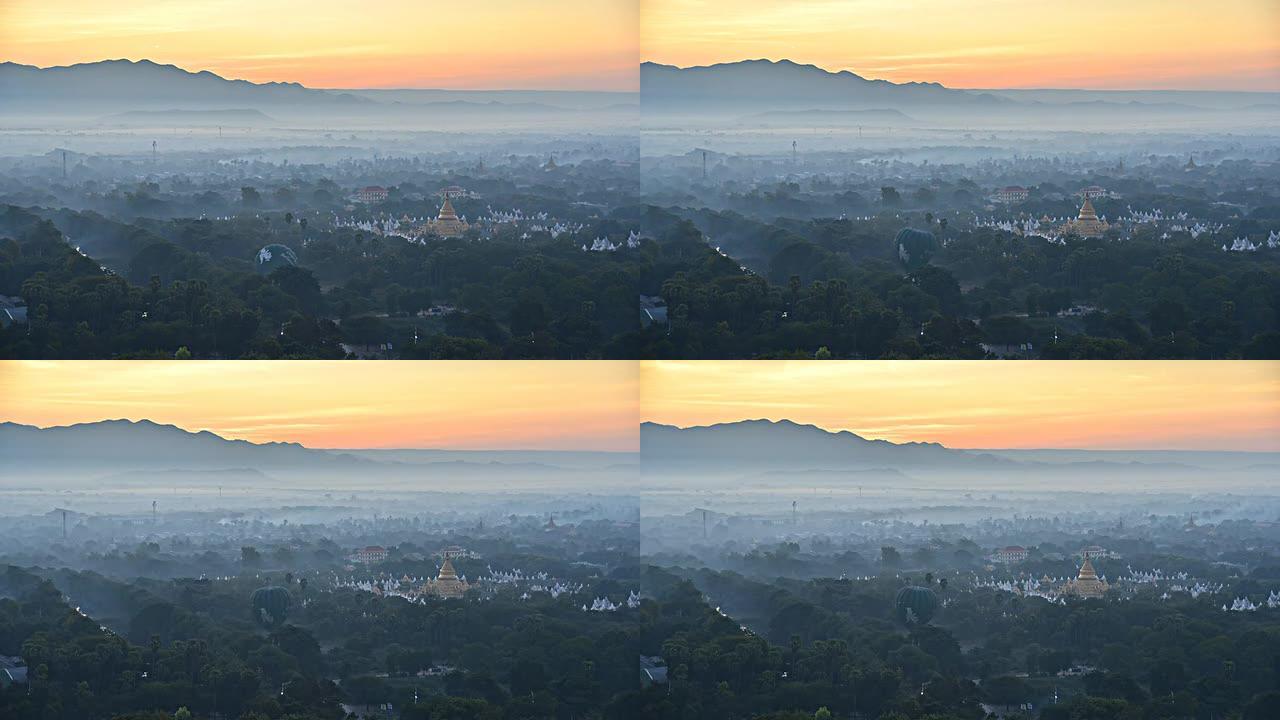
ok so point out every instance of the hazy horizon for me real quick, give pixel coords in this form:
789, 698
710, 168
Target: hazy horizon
446, 88
465, 405
195, 430
977, 87
288, 79
1092, 45
652, 359
561, 45
837, 430
1095, 405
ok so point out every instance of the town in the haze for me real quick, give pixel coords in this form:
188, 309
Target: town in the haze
754, 209
304, 563
640, 360
344, 630
867, 549
862, 219
318, 224
285, 553
916, 567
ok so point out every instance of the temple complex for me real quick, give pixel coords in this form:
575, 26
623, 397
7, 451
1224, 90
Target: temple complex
1086, 223
447, 223
1087, 584
447, 584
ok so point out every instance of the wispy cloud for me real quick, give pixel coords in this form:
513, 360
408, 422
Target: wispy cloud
1231, 44
590, 405
1225, 405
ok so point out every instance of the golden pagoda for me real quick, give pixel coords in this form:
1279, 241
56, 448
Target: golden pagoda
447, 584
1087, 584
447, 223
1086, 223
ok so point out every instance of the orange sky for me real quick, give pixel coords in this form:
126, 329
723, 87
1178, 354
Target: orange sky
589, 405
484, 44
1225, 405
595, 405
1098, 44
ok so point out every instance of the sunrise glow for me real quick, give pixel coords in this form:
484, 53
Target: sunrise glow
457, 405
491, 44
1142, 44
1090, 404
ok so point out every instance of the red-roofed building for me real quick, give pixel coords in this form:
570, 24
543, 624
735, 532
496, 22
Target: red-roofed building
1010, 555
371, 194
1012, 194
369, 555
1096, 552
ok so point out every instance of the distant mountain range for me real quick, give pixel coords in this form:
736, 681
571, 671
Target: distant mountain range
129, 82
783, 444
783, 83
766, 92
767, 446
140, 449
145, 444
135, 92
113, 453
749, 88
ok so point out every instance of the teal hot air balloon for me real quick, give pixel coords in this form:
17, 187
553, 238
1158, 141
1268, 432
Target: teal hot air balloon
915, 605
271, 606
274, 256
915, 247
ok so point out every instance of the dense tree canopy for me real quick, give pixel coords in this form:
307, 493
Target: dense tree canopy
845, 285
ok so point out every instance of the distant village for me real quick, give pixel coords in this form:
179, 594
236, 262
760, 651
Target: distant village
1089, 584
448, 223
449, 584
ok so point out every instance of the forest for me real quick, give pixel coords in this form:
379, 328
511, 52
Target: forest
203, 648
279, 646
841, 288
822, 288
190, 288
833, 648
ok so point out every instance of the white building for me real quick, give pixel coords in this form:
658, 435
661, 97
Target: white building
1012, 194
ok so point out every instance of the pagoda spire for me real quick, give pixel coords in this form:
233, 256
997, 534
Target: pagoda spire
1086, 210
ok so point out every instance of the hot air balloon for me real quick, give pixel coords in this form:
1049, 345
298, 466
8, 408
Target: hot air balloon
275, 256
271, 605
915, 605
915, 247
